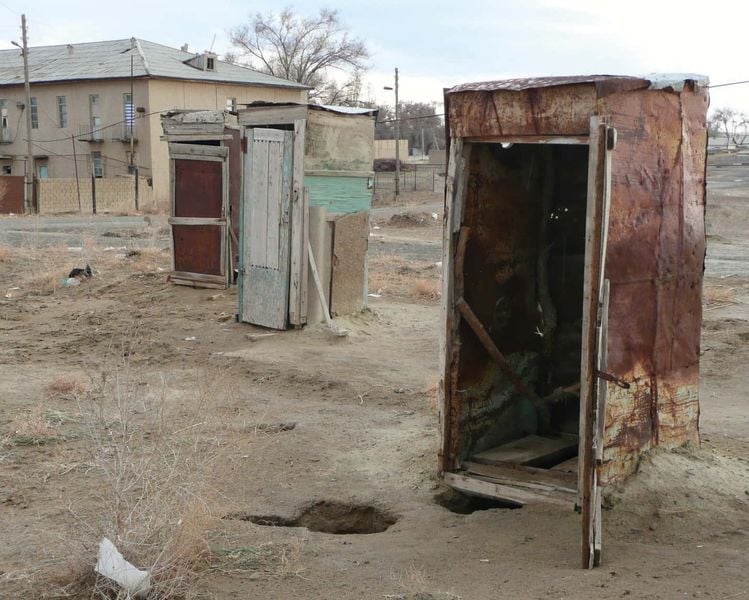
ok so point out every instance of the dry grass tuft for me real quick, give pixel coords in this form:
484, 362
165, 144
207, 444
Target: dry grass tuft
153, 500
5, 253
65, 385
427, 288
32, 429
394, 275
718, 294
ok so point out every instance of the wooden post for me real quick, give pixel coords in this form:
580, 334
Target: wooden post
93, 193
77, 182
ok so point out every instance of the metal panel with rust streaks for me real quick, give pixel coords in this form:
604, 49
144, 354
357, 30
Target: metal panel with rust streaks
655, 263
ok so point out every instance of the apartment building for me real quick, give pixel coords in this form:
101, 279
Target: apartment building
95, 106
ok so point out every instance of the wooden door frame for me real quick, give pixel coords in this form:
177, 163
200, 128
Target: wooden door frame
590, 451
186, 151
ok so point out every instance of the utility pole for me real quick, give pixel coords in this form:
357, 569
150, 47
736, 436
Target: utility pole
397, 140
77, 182
130, 122
29, 150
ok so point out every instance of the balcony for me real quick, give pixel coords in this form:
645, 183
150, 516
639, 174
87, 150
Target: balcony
125, 134
86, 133
5, 135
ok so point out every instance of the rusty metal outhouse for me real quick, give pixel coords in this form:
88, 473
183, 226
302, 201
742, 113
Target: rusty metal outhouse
574, 247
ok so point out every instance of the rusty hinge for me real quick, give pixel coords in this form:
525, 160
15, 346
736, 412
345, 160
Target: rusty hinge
243, 144
613, 379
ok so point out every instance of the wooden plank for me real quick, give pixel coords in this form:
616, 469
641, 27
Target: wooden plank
542, 477
591, 295
269, 135
186, 138
197, 277
470, 317
273, 211
258, 199
298, 234
449, 317
187, 151
318, 286
245, 227
567, 466
271, 115
498, 491
347, 280
533, 450
304, 283
198, 284
195, 221
531, 139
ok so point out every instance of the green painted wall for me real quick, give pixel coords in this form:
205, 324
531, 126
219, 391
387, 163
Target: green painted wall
339, 194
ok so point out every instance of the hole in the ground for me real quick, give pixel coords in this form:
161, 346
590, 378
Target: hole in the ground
463, 504
331, 517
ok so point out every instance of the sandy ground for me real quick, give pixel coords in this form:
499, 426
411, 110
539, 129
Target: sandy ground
260, 428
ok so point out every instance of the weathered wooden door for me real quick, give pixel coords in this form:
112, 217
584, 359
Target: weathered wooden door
199, 199
266, 228
595, 322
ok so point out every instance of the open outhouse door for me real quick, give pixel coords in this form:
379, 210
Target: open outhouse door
524, 312
199, 222
274, 218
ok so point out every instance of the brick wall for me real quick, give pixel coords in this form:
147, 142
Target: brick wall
115, 195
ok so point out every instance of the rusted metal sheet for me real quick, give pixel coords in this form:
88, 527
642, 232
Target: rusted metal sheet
607, 82
655, 263
198, 188
11, 194
197, 249
563, 110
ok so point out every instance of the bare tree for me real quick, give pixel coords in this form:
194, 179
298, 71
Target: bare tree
300, 49
734, 125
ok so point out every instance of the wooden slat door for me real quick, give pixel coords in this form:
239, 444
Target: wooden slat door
595, 319
266, 228
199, 210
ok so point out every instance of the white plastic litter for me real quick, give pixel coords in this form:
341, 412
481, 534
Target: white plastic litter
112, 565
435, 216
191, 338
70, 282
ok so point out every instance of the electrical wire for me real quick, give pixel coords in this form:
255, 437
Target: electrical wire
717, 85
103, 127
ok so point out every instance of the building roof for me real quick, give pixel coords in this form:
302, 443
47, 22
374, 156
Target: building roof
654, 81
111, 60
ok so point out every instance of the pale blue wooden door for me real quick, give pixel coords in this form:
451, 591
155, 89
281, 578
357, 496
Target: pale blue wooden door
266, 228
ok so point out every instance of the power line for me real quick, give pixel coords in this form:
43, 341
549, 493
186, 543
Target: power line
103, 127
717, 85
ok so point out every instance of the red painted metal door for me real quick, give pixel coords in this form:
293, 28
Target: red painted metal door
199, 187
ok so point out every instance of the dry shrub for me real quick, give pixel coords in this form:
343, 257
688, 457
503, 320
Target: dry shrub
427, 288
718, 294
397, 276
66, 385
149, 259
32, 429
153, 501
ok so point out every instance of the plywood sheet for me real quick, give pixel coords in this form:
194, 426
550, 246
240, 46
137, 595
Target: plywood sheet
530, 450
350, 243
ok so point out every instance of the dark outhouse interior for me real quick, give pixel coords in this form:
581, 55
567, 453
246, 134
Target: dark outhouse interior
525, 262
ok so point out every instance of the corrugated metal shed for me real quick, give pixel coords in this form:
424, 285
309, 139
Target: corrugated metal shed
111, 60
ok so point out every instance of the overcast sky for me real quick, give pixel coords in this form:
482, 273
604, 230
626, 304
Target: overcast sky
437, 44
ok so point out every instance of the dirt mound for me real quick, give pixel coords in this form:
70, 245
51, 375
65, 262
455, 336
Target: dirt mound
413, 219
699, 493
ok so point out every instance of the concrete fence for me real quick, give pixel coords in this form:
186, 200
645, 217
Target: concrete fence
115, 195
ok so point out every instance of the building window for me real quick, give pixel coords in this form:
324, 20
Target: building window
62, 111
97, 165
210, 63
128, 116
231, 104
42, 170
34, 114
6, 168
